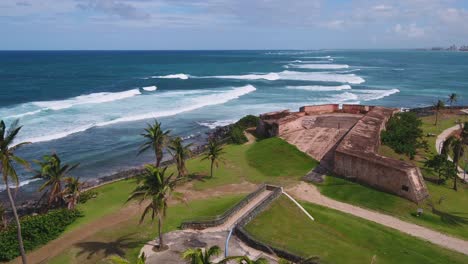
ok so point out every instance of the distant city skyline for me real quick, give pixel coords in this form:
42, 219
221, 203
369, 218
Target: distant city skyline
231, 24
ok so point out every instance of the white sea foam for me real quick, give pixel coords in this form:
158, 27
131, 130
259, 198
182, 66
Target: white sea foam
368, 95
320, 88
94, 98
199, 102
150, 88
181, 76
217, 123
79, 118
300, 76
349, 71
25, 114
320, 66
22, 183
344, 97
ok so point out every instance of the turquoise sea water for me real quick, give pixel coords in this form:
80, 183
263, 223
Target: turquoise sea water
90, 106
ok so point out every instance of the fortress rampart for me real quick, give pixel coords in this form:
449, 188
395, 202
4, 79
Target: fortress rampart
346, 140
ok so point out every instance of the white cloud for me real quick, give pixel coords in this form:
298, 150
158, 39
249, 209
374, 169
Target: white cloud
410, 31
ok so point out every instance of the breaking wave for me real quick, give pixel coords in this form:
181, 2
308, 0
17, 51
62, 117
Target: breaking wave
320, 88
22, 183
94, 98
215, 124
181, 76
79, 118
150, 88
319, 66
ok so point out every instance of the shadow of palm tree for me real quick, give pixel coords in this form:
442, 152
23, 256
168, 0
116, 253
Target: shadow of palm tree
451, 218
117, 247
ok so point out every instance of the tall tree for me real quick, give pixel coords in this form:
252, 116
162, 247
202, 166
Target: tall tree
213, 154
180, 153
72, 191
156, 139
54, 172
201, 256
7, 159
437, 107
3, 215
452, 98
455, 145
437, 163
158, 188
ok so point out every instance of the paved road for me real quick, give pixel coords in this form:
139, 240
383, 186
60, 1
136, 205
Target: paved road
309, 193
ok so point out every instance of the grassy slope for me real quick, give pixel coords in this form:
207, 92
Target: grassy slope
454, 222
127, 238
270, 160
287, 167
341, 238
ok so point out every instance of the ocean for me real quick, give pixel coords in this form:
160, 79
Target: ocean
91, 106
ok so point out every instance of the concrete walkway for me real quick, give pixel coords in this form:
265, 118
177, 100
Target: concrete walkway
308, 192
441, 139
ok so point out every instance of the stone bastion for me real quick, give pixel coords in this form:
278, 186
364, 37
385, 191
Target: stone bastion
346, 141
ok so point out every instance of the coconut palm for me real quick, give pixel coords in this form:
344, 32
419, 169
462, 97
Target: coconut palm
158, 188
3, 215
455, 145
52, 170
72, 191
156, 139
452, 98
214, 152
437, 107
180, 153
7, 158
199, 256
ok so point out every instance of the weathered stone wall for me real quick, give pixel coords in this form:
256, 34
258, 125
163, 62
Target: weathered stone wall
319, 109
356, 158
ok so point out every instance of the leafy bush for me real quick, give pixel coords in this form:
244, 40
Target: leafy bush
37, 230
404, 133
85, 196
248, 121
237, 136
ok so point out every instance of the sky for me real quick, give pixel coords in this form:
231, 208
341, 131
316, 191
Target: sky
231, 24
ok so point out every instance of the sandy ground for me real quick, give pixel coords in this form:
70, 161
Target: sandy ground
309, 193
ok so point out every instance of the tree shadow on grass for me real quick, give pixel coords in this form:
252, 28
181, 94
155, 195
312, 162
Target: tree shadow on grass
116, 247
456, 219
198, 177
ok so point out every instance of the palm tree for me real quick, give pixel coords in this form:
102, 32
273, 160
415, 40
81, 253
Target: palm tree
3, 216
156, 139
157, 187
456, 146
72, 191
180, 153
54, 173
213, 154
452, 98
7, 157
199, 256
119, 260
438, 106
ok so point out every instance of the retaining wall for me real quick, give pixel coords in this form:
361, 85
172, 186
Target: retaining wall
219, 220
319, 109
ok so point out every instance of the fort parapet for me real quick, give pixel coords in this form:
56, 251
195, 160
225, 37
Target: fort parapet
346, 141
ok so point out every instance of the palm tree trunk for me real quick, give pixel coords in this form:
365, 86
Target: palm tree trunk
161, 242
211, 173
437, 117
158, 158
18, 225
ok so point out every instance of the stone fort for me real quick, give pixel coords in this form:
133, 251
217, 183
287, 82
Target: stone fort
346, 141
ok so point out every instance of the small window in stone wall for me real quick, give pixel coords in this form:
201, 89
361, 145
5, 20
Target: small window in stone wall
405, 188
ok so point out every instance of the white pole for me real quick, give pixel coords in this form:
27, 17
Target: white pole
300, 206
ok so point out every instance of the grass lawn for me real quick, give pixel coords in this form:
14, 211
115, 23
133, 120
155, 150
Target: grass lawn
129, 237
451, 216
271, 160
337, 237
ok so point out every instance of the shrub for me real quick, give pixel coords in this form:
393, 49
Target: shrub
237, 136
85, 196
248, 121
37, 230
404, 133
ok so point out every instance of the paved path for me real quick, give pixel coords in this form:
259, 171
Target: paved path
440, 140
309, 193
